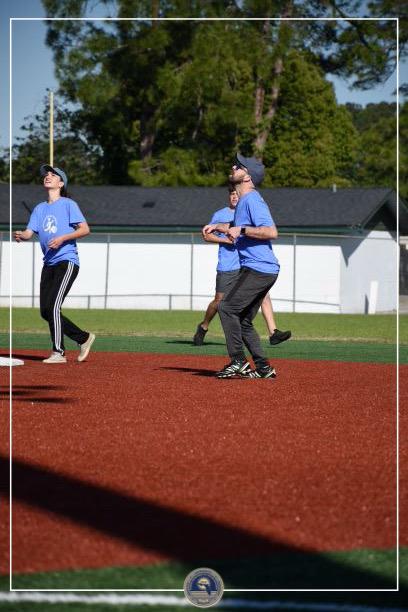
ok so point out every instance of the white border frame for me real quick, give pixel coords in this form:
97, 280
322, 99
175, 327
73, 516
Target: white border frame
149, 19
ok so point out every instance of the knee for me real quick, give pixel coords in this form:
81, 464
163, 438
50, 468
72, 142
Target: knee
45, 313
245, 324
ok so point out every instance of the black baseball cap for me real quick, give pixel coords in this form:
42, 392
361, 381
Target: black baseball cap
46, 168
255, 167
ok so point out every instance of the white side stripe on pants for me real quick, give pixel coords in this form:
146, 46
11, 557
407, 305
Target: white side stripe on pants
58, 304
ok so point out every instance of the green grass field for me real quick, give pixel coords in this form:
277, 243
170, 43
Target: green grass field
314, 336
182, 323
344, 566
295, 570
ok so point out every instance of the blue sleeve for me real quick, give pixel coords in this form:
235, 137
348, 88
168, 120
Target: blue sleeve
74, 214
259, 213
33, 222
214, 218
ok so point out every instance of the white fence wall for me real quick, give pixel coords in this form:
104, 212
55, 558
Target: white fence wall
364, 262
161, 271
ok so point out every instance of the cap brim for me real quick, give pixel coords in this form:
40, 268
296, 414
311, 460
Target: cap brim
46, 168
241, 159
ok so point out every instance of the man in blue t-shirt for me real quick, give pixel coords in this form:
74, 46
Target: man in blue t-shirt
228, 266
251, 231
227, 273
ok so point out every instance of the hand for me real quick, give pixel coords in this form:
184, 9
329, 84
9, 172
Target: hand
55, 243
233, 233
209, 229
18, 236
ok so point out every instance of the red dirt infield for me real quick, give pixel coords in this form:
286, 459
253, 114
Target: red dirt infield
129, 459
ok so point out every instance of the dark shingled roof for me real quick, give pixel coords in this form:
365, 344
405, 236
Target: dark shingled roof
189, 208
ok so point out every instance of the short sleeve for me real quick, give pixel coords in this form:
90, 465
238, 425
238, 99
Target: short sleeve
259, 213
33, 222
74, 213
218, 217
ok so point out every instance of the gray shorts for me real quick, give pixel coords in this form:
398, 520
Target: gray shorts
226, 280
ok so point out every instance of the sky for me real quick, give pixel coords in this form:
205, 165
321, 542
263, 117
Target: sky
33, 70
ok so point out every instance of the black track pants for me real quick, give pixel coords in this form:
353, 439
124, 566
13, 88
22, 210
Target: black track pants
56, 281
237, 311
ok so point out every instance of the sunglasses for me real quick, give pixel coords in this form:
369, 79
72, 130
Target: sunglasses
238, 166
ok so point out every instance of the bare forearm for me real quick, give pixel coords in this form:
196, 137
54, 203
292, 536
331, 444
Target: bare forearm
222, 227
216, 239
214, 227
262, 233
80, 232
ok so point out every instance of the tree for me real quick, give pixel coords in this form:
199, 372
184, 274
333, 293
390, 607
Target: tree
172, 100
70, 148
403, 150
313, 142
376, 157
4, 165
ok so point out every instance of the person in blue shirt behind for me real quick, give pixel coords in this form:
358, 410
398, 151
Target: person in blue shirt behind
227, 273
58, 222
251, 231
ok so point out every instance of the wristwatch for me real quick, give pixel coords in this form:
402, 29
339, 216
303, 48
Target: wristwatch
243, 231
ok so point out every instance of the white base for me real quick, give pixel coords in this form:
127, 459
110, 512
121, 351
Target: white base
6, 361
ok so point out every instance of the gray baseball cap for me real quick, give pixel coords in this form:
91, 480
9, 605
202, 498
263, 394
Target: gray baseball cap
46, 168
255, 168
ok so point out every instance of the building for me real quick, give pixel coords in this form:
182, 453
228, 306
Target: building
338, 248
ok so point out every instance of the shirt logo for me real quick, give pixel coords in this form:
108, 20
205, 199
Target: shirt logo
50, 224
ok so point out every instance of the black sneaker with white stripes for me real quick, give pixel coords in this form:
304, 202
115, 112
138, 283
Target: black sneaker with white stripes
235, 369
266, 372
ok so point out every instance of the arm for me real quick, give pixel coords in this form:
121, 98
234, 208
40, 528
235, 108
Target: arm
21, 236
216, 239
82, 229
215, 227
268, 232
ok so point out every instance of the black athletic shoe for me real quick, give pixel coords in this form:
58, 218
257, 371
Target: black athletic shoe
279, 336
266, 372
235, 369
199, 336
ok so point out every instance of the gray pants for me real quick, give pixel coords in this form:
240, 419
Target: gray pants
237, 311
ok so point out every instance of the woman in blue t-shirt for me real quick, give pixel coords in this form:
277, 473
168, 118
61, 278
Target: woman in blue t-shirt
58, 222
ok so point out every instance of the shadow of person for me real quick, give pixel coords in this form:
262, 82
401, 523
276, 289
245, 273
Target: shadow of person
246, 560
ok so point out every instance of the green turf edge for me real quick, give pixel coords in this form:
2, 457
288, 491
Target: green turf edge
363, 569
182, 323
293, 349
378, 568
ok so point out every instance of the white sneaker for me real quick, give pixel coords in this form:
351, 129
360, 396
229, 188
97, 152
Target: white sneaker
55, 358
86, 347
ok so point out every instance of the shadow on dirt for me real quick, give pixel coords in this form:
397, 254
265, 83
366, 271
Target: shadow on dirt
245, 559
195, 371
26, 357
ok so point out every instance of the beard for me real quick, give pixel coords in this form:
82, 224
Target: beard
237, 183
234, 180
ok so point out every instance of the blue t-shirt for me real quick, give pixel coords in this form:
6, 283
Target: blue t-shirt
52, 220
252, 210
228, 259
